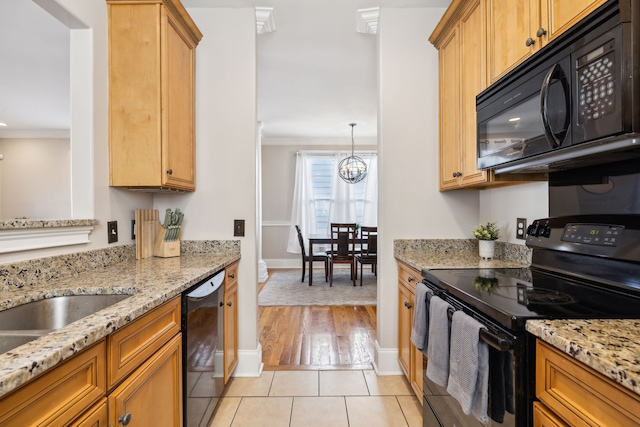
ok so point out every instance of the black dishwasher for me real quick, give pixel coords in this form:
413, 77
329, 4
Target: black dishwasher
202, 350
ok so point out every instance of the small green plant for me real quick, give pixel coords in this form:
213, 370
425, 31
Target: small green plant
489, 231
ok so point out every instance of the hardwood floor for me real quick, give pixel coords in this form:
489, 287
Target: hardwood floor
317, 337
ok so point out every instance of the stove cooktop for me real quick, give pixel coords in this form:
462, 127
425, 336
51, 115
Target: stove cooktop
511, 296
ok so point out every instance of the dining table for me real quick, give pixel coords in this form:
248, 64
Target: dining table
320, 240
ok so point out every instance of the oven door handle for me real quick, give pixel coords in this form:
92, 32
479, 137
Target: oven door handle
554, 139
495, 341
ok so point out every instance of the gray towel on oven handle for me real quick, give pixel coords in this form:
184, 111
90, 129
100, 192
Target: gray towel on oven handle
438, 349
469, 366
420, 327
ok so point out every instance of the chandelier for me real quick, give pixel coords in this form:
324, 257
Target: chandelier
352, 169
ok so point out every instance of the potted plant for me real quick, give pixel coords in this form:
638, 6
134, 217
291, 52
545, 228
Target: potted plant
486, 234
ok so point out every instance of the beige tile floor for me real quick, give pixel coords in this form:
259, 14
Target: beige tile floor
357, 398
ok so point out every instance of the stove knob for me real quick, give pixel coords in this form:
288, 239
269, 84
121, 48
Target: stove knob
532, 230
544, 231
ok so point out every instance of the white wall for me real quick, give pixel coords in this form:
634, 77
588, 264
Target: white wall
226, 169
410, 204
505, 205
35, 179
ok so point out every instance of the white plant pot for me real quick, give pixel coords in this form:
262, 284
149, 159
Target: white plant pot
487, 248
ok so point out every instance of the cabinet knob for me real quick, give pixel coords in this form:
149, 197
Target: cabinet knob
231, 275
406, 304
229, 304
126, 419
530, 42
410, 279
541, 32
457, 174
221, 304
170, 171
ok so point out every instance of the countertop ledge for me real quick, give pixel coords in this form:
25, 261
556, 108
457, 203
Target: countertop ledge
610, 347
151, 282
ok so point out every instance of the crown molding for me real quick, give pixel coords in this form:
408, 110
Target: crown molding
265, 21
368, 20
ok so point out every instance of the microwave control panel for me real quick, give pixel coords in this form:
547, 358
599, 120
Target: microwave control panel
596, 83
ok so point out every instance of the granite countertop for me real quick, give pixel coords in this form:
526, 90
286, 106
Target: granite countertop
151, 282
430, 254
610, 347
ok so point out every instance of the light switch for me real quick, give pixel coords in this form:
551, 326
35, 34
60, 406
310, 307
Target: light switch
238, 227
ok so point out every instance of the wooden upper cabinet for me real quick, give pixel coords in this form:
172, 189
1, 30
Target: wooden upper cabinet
151, 95
518, 29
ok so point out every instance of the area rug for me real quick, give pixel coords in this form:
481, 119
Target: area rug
285, 288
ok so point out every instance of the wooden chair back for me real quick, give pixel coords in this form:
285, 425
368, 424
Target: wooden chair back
370, 241
343, 241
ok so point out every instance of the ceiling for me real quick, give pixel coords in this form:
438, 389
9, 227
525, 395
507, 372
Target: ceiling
316, 74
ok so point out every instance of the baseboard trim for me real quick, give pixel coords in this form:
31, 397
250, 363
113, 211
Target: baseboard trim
249, 363
386, 361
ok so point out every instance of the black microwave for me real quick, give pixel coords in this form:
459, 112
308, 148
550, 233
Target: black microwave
574, 103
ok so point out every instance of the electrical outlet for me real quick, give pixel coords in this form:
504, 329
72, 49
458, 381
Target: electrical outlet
112, 230
238, 227
133, 229
521, 228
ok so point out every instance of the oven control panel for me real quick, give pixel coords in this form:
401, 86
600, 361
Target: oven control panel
593, 234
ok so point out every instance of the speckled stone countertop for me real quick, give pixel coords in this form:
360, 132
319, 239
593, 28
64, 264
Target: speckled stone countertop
19, 223
429, 254
611, 347
151, 282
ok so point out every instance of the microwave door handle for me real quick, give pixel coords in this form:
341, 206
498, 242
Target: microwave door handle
554, 139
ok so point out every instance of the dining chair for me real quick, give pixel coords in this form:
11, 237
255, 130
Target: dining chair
343, 246
316, 257
368, 253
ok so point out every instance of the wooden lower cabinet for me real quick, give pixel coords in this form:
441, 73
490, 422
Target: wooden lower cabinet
230, 320
574, 394
58, 396
137, 370
94, 417
409, 357
151, 395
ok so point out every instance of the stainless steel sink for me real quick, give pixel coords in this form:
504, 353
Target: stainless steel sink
54, 313
9, 341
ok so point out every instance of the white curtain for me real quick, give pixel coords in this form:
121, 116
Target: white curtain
370, 210
303, 207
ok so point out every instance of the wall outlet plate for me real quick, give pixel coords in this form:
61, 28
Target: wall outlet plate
112, 230
521, 228
238, 227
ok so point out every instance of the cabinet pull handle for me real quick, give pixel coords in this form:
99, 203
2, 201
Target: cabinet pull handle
170, 171
530, 42
541, 32
457, 174
406, 304
126, 419
229, 304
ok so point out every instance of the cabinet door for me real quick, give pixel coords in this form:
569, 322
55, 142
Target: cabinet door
230, 332
449, 94
473, 57
417, 370
560, 15
152, 394
405, 303
510, 27
178, 143
542, 417
98, 416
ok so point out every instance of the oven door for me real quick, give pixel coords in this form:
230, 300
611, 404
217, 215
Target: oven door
440, 409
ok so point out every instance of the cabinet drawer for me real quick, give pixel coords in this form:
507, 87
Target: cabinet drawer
132, 345
542, 417
579, 395
409, 276
58, 396
94, 417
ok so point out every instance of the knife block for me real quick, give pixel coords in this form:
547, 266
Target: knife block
164, 249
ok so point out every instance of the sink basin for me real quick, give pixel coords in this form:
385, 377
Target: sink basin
10, 341
54, 313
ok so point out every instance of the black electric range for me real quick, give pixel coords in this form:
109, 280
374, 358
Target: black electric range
583, 267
